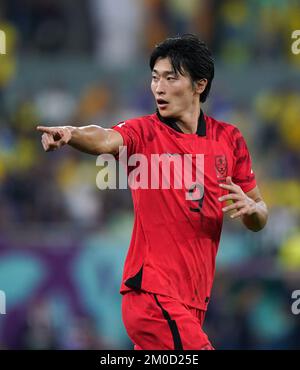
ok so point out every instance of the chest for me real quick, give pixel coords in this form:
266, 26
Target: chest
214, 158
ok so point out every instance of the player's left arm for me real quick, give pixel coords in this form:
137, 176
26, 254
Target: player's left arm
249, 206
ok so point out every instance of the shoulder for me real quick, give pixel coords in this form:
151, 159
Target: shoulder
141, 129
139, 125
221, 130
141, 121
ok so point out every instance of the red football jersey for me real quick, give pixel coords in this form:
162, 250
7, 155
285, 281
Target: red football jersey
175, 238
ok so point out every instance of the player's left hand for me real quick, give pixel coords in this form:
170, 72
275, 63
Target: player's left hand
241, 202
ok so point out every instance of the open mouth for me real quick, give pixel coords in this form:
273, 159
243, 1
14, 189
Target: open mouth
161, 103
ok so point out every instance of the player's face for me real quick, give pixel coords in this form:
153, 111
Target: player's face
174, 93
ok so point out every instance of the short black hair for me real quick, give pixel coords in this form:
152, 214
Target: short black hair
187, 53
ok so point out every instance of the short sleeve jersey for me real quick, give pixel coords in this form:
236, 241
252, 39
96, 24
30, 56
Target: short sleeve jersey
177, 229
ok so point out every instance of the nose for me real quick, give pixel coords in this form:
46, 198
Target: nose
160, 87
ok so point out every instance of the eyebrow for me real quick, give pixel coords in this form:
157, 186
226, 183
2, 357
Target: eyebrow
164, 72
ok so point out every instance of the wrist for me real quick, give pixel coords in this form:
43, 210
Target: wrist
254, 207
72, 130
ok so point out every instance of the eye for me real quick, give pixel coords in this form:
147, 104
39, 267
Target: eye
154, 78
170, 78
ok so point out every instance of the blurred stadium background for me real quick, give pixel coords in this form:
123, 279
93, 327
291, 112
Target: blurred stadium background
62, 241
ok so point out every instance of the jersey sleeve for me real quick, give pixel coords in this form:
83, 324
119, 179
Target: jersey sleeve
132, 134
243, 174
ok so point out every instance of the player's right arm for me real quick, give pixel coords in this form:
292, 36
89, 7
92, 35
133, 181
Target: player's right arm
89, 139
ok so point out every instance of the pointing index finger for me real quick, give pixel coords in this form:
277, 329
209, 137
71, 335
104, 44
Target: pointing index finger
47, 130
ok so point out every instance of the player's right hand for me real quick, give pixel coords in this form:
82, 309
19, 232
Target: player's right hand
54, 137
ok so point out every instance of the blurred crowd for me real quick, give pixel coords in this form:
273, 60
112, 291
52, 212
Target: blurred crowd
109, 41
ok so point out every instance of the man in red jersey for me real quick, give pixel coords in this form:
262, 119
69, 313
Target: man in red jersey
169, 268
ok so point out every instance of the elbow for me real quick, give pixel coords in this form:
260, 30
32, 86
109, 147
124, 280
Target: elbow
256, 229
255, 224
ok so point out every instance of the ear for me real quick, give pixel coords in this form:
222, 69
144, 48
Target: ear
200, 85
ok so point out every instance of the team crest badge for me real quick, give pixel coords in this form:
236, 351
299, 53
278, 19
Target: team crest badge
221, 166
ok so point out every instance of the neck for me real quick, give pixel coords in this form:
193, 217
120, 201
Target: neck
188, 122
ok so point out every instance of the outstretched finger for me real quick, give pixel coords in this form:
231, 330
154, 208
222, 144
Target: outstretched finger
239, 213
232, 188
229, 181
230, 185
233, 206
231, 196
45, 129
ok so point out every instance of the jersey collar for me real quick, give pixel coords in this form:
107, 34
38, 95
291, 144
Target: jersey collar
171, 122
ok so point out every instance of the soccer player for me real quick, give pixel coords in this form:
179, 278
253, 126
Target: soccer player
169, 268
